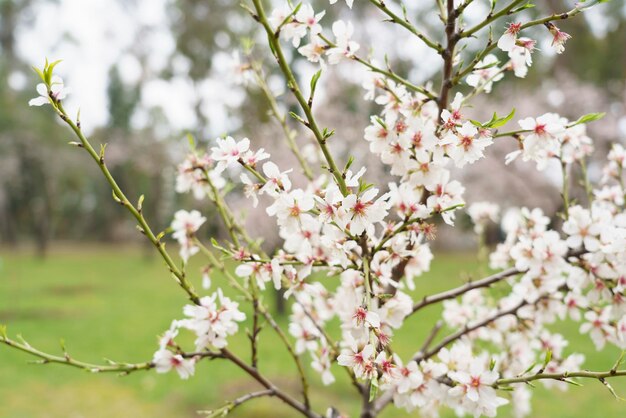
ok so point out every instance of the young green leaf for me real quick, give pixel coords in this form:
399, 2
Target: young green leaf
589, 117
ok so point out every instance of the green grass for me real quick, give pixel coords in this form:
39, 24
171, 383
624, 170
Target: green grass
113, 302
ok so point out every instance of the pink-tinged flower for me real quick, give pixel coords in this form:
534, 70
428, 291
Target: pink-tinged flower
164, 361
344, 46
56, 93
238, 71
597, 326
574, 303
542, 143
185, 225
306, 15
362, 211
508, 39
313, 51
328, 205
466, 146
264, 272
193, 174
558, 37
444, 195
453, 117
410, 377
228, 151
362, 317
582, 230
387, 365
292, 30
357, 360
521, 56
276, 180
290, 209
475, 385
250, 189
167, 339
252, 158
211, 323
321, 363
486, 73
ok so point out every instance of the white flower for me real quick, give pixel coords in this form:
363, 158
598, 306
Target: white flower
306, 15
313, 51
521, 56
453, 116
264, 272
57, 92
321, 364
485, 74
475, 385
239, 72
481, 213
508, 39
250, 189
597, 326
357, 359
290, 208
276, 180
344, 46
542, 141
193, 173
212, 323
185, 225
228, 151
362, 317
362, 211
292, 30
410, 377
466, 147
582, 230
164, 361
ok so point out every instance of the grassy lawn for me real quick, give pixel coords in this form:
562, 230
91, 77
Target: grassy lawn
113, 302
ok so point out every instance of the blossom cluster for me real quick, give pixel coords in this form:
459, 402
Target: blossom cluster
212, 321
376, 243
352, 253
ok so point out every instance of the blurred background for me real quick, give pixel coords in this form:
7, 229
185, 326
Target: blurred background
144, 73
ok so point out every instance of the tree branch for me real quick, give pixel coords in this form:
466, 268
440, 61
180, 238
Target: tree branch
451, 294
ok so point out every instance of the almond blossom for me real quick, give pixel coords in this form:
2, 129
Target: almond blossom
165, 361
558, 37
475, 386
228, 151
345, 46
185, 225
509, 38
363, 211
485, 74
467, 144
351, 258
55, 92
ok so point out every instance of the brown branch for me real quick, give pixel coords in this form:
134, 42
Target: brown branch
254, 373
448, 56
450, 294
560, 376
467, 329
